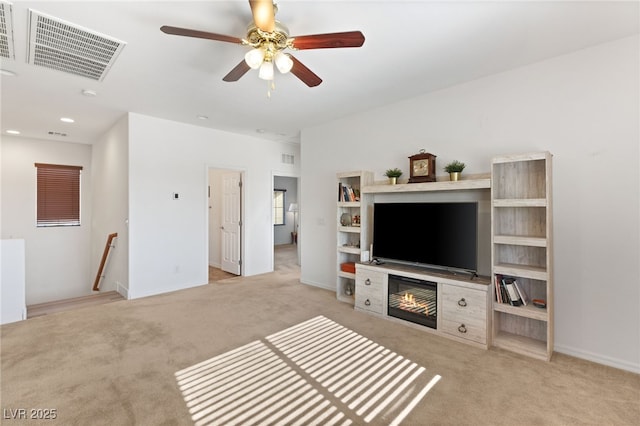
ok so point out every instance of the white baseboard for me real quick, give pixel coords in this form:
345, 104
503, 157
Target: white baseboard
600, 359
321, 285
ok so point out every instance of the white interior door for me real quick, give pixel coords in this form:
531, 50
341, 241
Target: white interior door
231, 223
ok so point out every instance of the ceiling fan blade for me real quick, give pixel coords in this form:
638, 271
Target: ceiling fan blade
307, 76
264, 15
199, 34
329, 40
239, 70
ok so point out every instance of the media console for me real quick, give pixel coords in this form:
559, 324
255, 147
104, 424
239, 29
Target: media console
519, 193
405, 293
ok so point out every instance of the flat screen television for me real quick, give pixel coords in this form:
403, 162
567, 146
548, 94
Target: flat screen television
442, 235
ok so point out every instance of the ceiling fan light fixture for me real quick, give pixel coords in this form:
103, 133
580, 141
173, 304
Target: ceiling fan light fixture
266, 71
283, 62
254, 58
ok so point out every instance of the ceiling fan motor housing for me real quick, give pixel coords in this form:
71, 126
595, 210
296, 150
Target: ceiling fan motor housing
271, 42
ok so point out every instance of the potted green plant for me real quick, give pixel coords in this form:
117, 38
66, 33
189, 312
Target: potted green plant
393, 175
454, 169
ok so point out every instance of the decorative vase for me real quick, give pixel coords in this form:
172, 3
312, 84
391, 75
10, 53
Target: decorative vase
393, 180
454, 176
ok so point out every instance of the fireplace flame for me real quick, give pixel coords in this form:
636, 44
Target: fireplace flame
409, 303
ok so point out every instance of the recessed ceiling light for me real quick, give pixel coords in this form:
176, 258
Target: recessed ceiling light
67, 120
7, 72
89, 93
202, 117
260, 130
13, 132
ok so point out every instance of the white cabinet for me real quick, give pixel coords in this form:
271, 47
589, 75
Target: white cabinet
521, 223
351, 220
13, 306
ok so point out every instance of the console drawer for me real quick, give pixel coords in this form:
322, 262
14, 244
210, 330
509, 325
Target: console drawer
465, 330
370, 290
369, 302
370, 281
464, 313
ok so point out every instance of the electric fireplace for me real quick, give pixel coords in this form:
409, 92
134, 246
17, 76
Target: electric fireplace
413, 300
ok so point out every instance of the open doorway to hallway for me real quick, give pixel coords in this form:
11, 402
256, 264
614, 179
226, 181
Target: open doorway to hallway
224, 204
286, 230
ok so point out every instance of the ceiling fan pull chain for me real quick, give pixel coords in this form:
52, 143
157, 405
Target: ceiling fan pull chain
270, 86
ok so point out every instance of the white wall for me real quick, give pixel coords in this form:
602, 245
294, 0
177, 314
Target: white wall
110, 164
167, 238
57, 258
584, 108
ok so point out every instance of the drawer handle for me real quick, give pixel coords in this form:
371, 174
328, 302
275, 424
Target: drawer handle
462, 302
367, 282
367, 303
462, 329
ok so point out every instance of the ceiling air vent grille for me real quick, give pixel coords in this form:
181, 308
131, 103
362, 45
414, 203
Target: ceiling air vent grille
61, 46
6, 31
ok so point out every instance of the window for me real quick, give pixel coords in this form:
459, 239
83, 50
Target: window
58, 195
278, 206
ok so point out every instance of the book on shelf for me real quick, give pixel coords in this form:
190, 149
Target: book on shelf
348, 193
498, 288
504, 293
512, 293
523, 295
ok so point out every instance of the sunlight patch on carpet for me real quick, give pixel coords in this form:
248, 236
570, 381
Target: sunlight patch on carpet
316, 372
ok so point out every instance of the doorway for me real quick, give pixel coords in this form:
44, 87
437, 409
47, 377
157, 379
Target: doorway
286, 226
224, 204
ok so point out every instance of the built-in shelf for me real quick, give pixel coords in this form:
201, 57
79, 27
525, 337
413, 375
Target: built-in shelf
525, 271
355, 204
521, 202
521, 344
522, 250
481, 183
351, 238
346, 249
516, 240
528, 311
349, 275
354, 229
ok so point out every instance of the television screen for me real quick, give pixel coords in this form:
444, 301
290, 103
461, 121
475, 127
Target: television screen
442, 234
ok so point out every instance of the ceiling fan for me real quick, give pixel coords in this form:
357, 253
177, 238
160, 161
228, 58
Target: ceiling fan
269, 38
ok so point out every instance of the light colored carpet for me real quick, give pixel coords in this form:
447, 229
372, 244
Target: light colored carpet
121, 363
275, 380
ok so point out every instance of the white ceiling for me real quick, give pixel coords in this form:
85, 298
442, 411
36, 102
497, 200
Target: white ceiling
411, 47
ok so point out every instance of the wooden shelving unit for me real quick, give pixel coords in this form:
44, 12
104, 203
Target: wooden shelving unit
352, 240
477, 182
521, 228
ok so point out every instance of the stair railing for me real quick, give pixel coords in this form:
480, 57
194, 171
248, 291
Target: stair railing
105, 255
